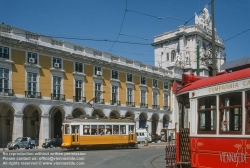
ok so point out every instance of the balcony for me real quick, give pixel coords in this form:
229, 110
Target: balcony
130, 104
165, 107
99, 101
155, 106
143, 105
31, 94
58, 97
6, 92
115, 102
79, 99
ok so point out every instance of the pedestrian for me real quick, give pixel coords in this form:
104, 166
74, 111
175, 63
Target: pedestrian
28, 143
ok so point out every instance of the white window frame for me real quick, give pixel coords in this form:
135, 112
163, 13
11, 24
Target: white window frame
33, 55
57, 60
2, 52
97, 68
117, 92
81, 87
164, 99
131, 77
53, 84
145, 96
7, 79
128, 95
75, 65
155, 83
145, 80
113, 71
155, 99
32, 82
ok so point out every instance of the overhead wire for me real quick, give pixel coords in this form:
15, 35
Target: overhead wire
135, 36
157, 17
120, 28
236, 35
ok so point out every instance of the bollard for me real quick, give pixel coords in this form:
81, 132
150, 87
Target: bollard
146, 142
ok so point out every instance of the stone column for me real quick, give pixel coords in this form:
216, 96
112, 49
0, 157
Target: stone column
44, 128
17, 126
2, 133
149, 123
137, 123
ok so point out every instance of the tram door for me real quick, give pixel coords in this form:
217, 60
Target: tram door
131, 133
75, 134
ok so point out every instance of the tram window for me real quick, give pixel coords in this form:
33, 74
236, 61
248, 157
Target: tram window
86, 130
231, 113
122, 129
115, 129
101, 129
73, 129
247, 112
108, 129
93, 129
67, 129
207, 115
131, 129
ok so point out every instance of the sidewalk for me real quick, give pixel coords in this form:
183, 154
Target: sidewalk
6, 149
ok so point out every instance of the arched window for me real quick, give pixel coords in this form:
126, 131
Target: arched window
173, 55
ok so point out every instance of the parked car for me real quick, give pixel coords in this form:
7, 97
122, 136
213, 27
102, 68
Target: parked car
156, 138
141, 134
22, 142
51, 143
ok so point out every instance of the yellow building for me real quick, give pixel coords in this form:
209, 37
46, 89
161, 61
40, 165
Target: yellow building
44, 80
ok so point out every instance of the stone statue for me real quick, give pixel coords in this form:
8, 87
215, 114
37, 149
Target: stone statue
206, 15
178, 60
187, 56
204, 19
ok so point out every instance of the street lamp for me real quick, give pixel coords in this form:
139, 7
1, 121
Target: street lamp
146, 138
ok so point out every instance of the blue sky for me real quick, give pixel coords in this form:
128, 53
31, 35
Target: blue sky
93, 21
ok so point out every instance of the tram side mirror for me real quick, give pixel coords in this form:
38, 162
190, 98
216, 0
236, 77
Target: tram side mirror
169, 138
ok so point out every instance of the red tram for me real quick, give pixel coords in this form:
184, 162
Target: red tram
213, 120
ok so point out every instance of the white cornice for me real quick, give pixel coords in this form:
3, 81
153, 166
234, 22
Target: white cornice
57, 70
32, 65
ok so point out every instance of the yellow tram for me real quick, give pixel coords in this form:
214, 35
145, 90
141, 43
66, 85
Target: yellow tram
108, 133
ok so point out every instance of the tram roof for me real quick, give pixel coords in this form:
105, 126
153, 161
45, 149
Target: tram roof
106, 120
214, 80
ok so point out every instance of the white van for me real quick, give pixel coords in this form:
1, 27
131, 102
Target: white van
141, 134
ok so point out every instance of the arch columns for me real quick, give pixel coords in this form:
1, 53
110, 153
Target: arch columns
149, 123
137, 122
18, 126
44, 128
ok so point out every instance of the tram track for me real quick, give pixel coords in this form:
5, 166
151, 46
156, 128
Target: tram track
152, 161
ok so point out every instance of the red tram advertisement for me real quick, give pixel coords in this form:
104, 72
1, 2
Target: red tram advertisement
213, 120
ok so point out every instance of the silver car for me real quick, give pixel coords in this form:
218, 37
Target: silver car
22, 142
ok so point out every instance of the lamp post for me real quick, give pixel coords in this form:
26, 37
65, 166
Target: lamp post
146, 138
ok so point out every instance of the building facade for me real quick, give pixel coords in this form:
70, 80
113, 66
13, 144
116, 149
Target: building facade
178, 50
44, 80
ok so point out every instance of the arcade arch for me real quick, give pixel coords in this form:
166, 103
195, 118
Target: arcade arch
6, 123
57, 115
130, 114
99, 113
114, 114
78, 113
143, 120
155, 120
31, 121
166, 120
